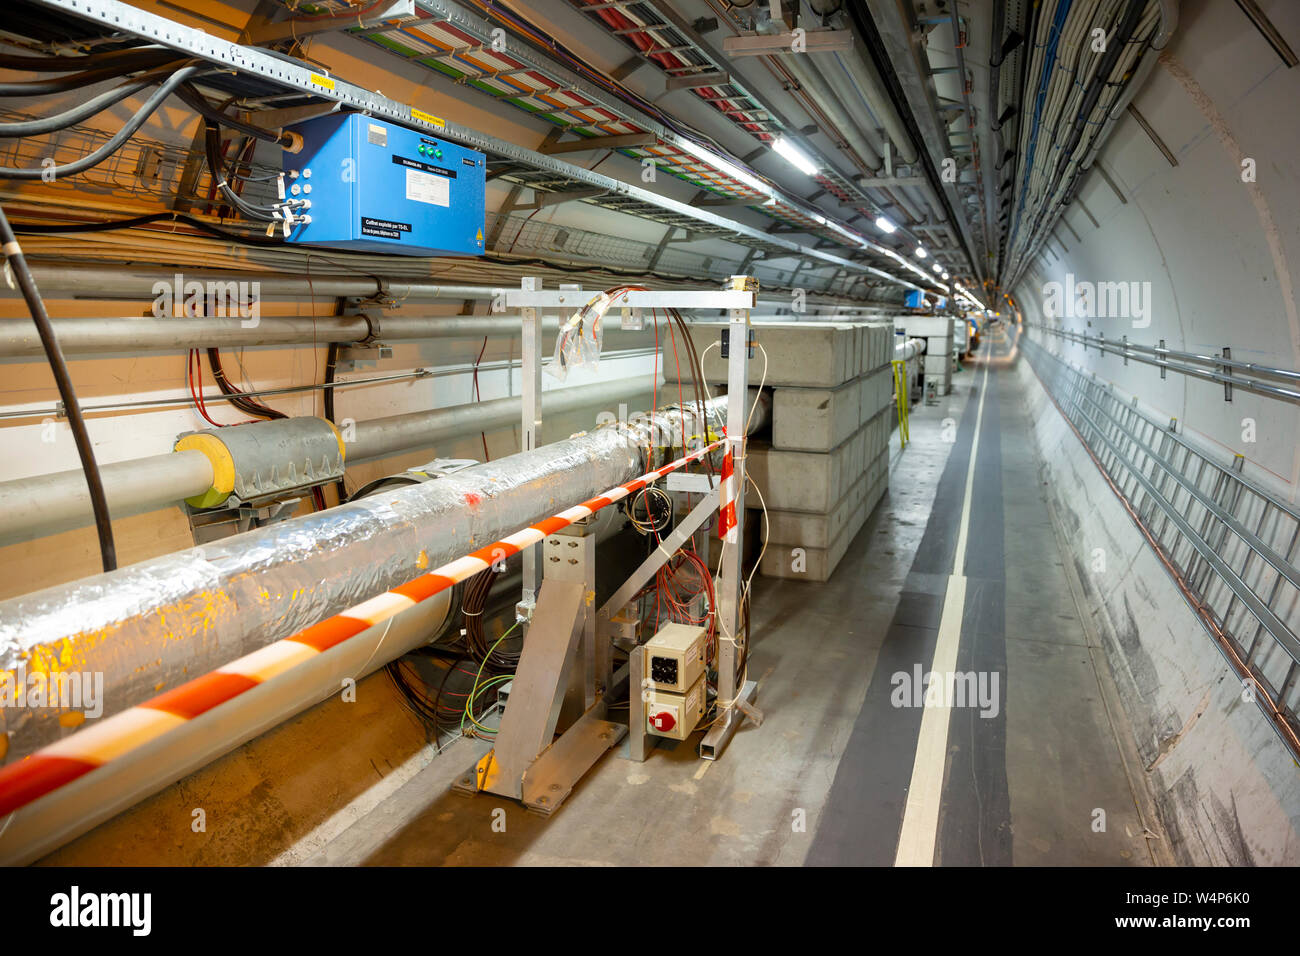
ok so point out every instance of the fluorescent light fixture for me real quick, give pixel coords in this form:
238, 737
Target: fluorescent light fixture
793, 155
920, 252
884, 225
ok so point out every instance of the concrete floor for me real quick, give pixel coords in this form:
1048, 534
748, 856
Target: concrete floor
824, 780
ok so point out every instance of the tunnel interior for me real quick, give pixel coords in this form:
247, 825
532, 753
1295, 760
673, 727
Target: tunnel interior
649, 433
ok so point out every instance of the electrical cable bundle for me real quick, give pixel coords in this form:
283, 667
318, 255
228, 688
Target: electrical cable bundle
170, 85
477, 591
238, 398
654, 514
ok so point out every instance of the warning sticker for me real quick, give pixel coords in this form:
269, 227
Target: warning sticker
428, 118
423, 187
376, 135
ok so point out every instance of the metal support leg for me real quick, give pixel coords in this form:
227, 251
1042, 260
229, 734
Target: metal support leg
730, 704
531, 427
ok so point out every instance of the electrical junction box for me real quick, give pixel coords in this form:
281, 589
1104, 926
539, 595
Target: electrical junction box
676, 657
378, 187
674, 715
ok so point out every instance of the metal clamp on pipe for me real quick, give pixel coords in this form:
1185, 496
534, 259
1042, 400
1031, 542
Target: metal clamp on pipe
261, 459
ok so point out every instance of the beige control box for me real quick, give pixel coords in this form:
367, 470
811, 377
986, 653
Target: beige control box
675, 657
674, 715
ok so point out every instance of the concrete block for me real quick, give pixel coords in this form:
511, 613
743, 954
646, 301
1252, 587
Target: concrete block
815, 481
925, 326
937, 364
818, 561
815, 419
809, 354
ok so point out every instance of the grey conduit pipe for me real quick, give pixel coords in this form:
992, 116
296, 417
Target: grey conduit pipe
45, 504
87, 280
99, 336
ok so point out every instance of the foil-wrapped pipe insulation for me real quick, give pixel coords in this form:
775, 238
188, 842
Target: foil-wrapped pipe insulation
153, 625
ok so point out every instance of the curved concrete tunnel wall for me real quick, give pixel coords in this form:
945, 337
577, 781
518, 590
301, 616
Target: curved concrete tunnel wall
1219, 255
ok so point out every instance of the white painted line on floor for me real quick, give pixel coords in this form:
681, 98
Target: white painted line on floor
920, 830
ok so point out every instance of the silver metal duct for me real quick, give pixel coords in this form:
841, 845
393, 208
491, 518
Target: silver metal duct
153, 625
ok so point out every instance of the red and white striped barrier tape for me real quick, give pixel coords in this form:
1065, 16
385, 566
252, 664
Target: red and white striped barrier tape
727, 501
52, 767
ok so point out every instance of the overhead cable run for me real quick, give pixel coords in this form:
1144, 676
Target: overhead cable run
1073, 92
277, 72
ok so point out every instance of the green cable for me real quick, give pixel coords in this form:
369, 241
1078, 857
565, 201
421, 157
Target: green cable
469, 702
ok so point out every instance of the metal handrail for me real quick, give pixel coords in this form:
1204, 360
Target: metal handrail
1246, 482
1138, 353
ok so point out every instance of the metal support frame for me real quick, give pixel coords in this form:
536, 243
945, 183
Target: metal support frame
733, 699
530, 429
566, 671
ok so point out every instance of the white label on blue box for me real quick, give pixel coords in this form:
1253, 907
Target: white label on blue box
422, 187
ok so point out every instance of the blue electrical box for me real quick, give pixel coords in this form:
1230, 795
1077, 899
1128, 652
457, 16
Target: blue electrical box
378, 187
914, 299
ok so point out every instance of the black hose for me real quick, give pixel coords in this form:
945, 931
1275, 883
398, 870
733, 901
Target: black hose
201, 104
211, 153
64, 83
112, 224
90, 107
115, 143
122, 60
26, 282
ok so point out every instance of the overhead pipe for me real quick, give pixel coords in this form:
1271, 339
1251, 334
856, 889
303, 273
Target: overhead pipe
864, 78
46, 504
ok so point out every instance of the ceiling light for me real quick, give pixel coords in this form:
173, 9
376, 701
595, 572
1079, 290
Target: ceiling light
937, 267
920, 252
945, 277
884, 225
794, 156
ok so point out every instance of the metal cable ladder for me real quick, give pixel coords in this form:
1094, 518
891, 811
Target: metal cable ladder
1233, 543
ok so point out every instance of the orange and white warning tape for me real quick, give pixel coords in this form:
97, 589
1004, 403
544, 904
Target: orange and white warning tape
52, 767
727, 501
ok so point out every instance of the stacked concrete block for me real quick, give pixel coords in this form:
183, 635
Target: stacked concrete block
937, 330
827, 464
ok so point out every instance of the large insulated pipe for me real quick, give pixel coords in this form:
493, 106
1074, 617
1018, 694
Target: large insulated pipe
153, 625
45, 504
908, 350
35, 830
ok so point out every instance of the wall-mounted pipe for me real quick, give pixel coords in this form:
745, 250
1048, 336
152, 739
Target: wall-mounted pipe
46, 504
100, 336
